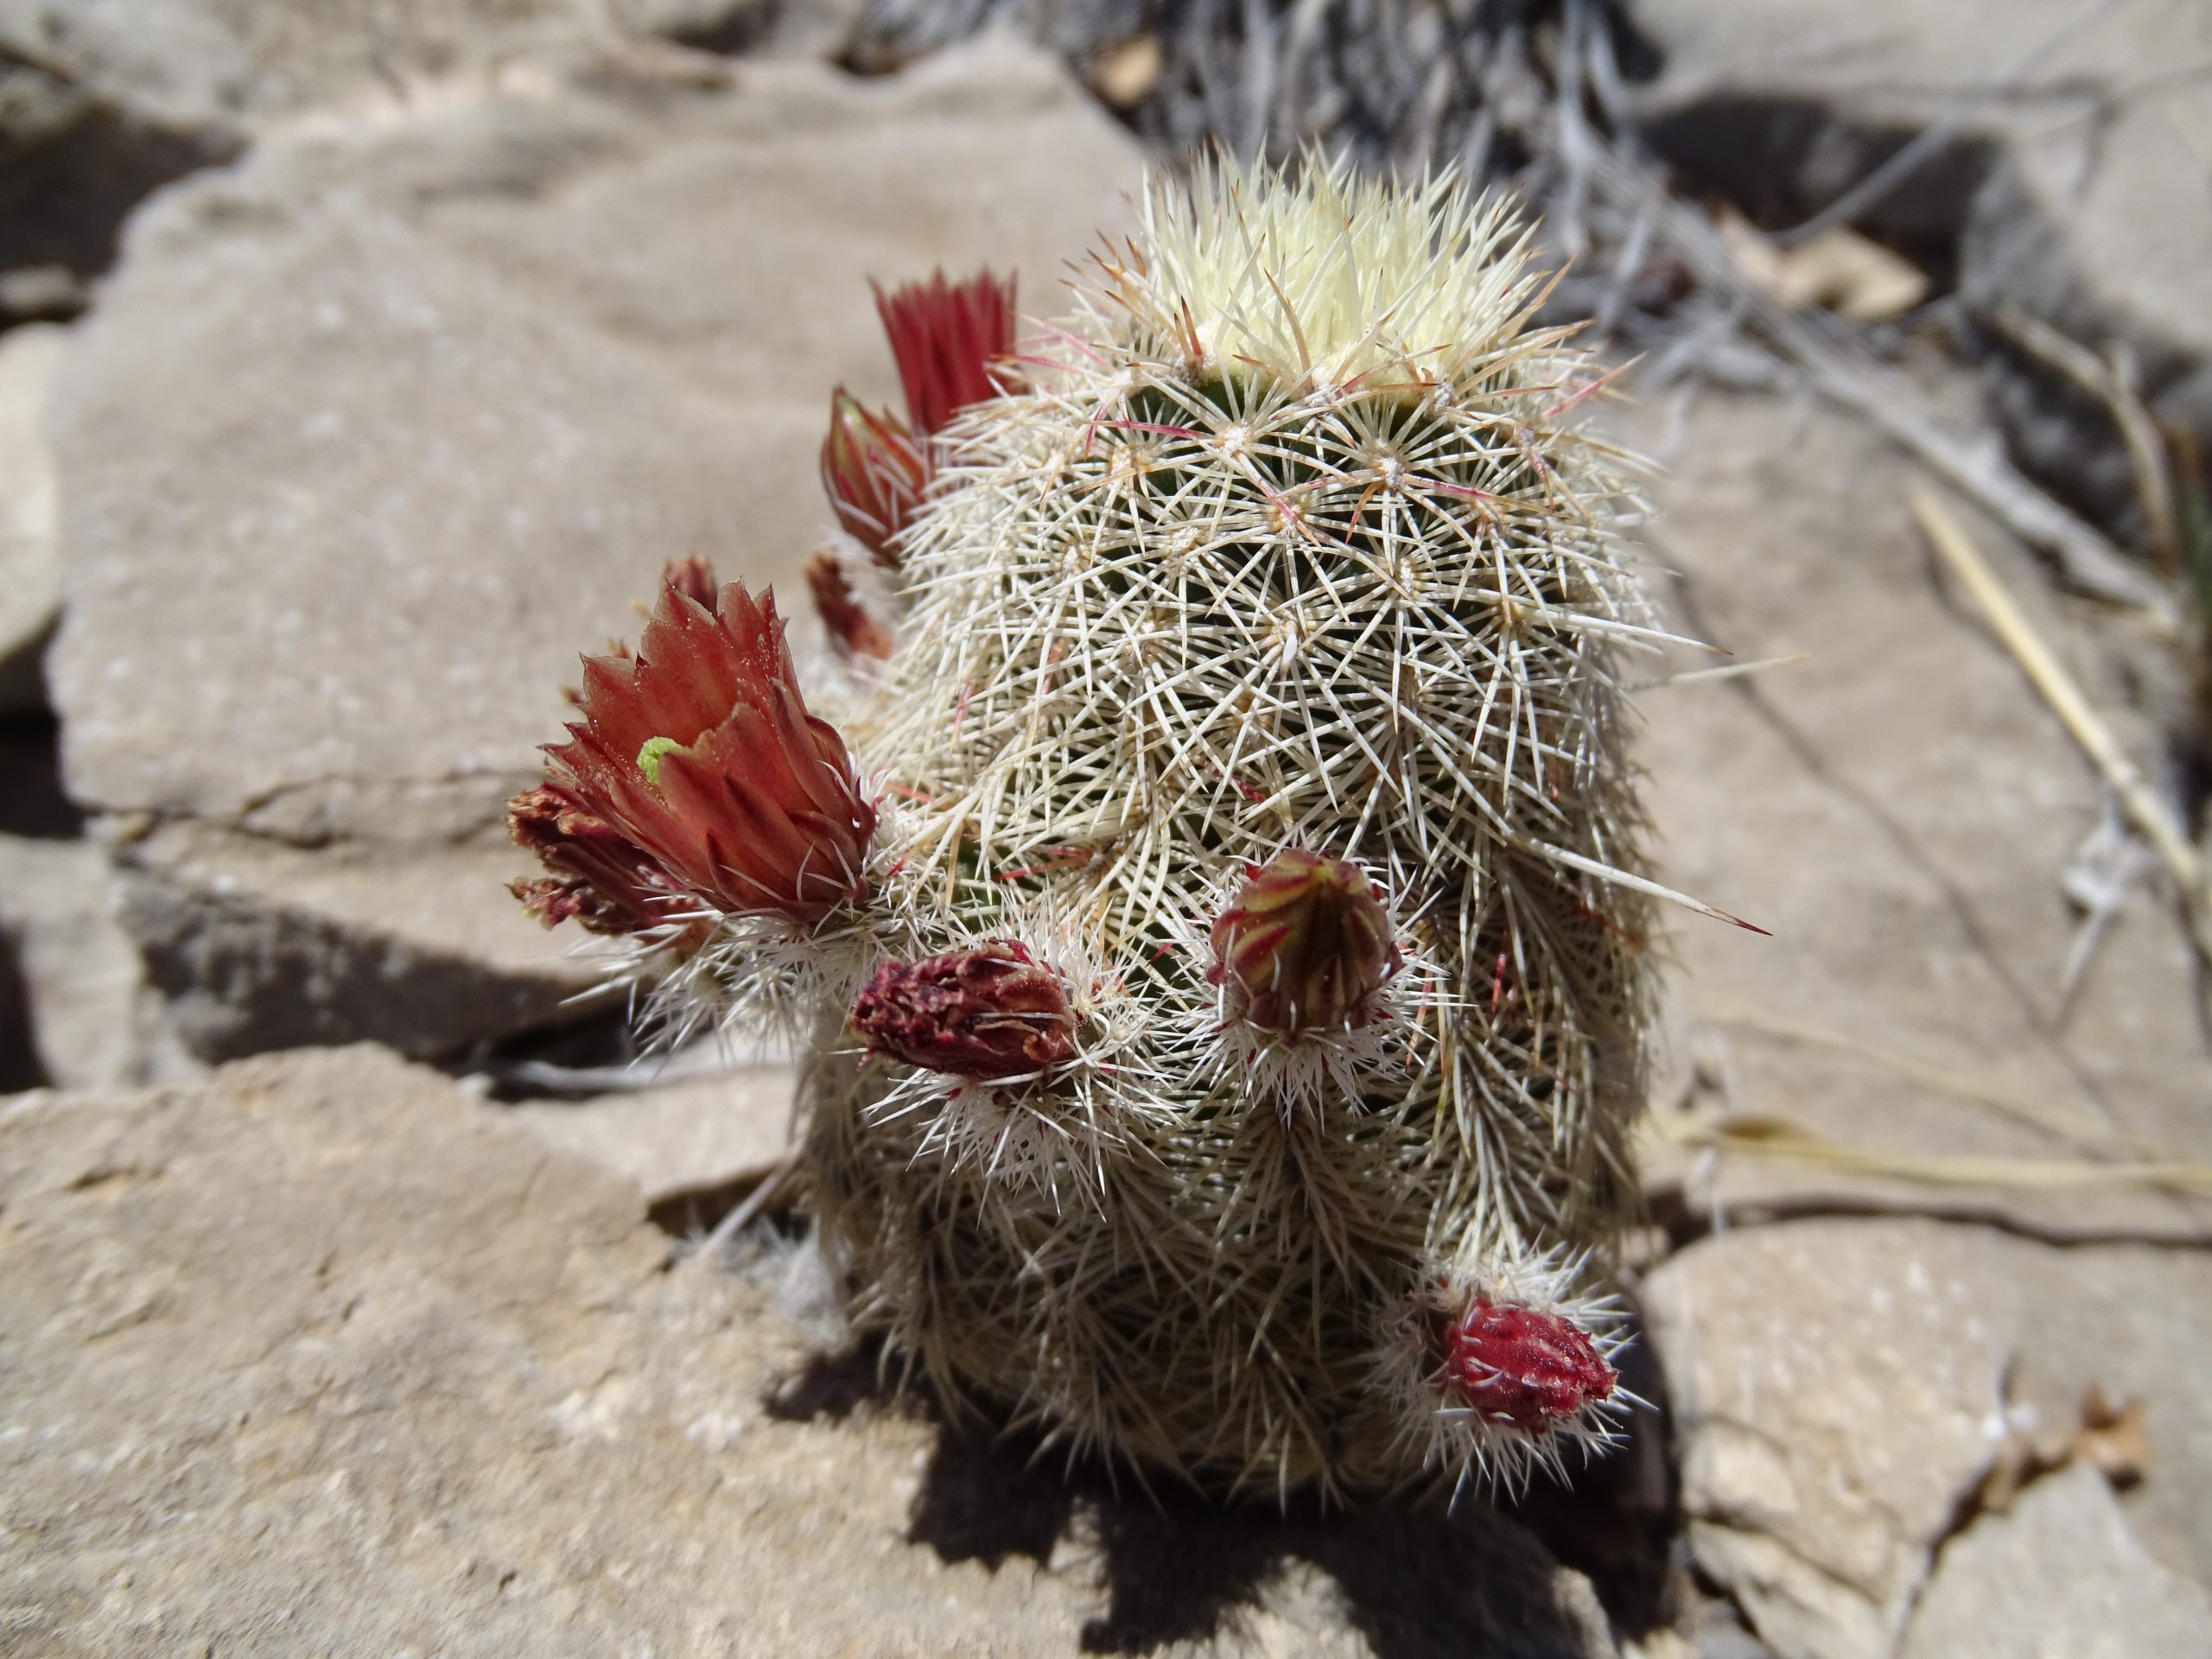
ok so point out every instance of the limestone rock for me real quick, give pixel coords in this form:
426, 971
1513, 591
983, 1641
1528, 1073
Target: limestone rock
73, 164
206, 63
93, 1021
235, 66
320, 1357
30, 564
1898, 809
676, 1138
2060, 1575
372, 433
1842, 1388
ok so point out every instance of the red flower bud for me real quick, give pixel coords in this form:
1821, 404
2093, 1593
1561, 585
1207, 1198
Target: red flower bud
691, 577
1516, 1365
946, 336
994, 1012
873, 472
1305, 945
606, 880
852, 630
699, 751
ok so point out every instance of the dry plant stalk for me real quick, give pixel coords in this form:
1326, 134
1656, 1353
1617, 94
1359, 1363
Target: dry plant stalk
1225, 962
2058, 687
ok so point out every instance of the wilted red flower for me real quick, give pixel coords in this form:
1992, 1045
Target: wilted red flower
1520, 1366
946, 336
1305, 945
992, 1012
852, 630
873, 472
699, 751
606, 881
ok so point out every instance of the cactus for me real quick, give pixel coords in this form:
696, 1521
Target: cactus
1228, 999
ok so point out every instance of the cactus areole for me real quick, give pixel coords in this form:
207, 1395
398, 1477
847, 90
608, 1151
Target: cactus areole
1207, 871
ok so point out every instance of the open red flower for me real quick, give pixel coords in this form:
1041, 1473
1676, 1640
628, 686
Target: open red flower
946, 337
993, 1012
1521, 1366
699, 751
1305, 946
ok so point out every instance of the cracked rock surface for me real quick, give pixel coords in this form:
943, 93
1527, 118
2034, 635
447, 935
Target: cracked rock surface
1842, 1386
320, 1356
1994, 1592
222, 64
677, 1137
372, 431
2090, 208
1897, 808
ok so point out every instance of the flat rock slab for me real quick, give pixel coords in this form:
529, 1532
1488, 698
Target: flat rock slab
94, 1023
320, 1356
30, 558
372, 433
1842, 1388
1898, 808
1995, 1594
216, 63
677, 1140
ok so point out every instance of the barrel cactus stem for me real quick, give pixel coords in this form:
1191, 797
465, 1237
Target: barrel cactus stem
1229, 995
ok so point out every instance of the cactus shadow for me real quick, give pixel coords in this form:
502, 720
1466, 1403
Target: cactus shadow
1416, 1576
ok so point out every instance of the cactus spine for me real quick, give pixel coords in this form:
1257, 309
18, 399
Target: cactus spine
1254, 718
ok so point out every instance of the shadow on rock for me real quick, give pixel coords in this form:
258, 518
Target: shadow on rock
1417, 1575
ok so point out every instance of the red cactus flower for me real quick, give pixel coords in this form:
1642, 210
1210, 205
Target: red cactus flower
946, 336
699, 751
1305, 945
990, 1012
852, 630
873, 472
1520, 1366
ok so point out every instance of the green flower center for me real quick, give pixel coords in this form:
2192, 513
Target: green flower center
649, 757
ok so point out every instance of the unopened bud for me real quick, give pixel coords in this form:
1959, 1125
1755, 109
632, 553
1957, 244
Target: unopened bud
1517, 1365
1305, 945
874, 473
693, 577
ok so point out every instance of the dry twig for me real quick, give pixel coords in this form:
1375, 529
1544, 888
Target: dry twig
2143, 805
1849, 375
1768, 1137
2083, 1130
